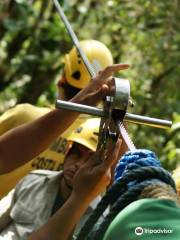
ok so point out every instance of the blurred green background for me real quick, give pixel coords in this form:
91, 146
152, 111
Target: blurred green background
33, 41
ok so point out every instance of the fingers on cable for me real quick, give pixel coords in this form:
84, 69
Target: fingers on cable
96, 159
110, 70
112, 154
100, 93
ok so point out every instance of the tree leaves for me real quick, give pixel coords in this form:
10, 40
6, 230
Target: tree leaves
33, 41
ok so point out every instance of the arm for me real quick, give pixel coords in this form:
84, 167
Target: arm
27, 141
91, 180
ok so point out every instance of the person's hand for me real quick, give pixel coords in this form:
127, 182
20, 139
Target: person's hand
95, 175
98, 88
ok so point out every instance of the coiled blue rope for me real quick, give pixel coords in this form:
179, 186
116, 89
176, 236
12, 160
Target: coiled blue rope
135, 159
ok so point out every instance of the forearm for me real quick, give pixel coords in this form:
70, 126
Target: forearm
23, 143
61, 225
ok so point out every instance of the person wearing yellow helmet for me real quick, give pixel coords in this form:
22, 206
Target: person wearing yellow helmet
42, 193
76, 76
52, 159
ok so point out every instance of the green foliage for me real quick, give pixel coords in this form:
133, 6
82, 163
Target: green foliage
144, 33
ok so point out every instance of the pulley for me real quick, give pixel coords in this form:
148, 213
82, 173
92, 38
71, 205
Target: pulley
115, 106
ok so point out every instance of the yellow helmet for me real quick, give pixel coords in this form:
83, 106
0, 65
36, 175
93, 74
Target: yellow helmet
176, 177
86, 133
75, 71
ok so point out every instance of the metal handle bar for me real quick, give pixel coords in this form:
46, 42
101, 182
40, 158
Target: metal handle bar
129, 117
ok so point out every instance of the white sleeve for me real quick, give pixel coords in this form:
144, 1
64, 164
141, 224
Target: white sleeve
5, 207
5, 203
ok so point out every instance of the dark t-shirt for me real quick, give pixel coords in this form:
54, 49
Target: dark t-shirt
59, 201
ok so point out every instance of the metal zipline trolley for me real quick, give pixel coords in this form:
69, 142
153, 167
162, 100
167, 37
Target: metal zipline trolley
115, 105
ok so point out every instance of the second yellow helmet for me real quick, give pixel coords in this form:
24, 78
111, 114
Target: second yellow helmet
86, 133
